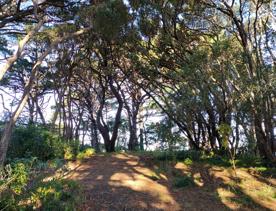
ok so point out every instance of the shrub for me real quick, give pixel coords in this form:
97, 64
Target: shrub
71, 150
178, 155
68, 153
188, 161
247, 160
163, 155
87, 153
22, 187
13, 180
56, 195
20, 175
15, 175
35, 141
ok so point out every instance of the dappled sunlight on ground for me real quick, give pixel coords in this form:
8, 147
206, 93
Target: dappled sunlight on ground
121, 178
254, 189
236, 191
138, 182
122, 181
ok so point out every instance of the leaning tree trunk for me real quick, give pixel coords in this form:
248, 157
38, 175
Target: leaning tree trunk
20, 49
4, 143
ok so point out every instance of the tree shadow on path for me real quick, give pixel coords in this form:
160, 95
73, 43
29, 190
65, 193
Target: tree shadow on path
122, 182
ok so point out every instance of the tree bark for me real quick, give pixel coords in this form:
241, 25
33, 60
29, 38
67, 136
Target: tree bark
21, 46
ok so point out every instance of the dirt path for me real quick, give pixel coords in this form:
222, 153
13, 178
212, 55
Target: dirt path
122, 182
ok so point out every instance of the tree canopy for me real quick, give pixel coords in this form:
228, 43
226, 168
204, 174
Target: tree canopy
197, 74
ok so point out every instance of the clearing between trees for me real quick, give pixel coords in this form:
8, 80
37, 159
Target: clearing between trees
122, 181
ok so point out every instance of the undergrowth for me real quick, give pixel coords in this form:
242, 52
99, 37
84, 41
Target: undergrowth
22, 186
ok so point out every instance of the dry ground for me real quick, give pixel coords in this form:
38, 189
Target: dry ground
119, 182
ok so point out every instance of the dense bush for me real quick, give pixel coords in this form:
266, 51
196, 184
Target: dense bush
42, 143
35, 141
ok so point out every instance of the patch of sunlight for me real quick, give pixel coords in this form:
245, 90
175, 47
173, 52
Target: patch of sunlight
100, 177
149, 172
132, 163
219, 173
183, 167
260, 192
124, 156
163, 176
266, 191
78, 176
198, 179
256, 190
78, 172
143, 204
227, 197
140, 183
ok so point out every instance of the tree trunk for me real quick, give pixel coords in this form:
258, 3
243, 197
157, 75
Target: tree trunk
5, 139
20, 49
133, 139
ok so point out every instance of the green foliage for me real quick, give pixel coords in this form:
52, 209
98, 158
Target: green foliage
216, 160
68, 153
20, 175
87, 153
248, 160
22, 187
56, 195
189, 156
178, 155
110, 18
35, 141
40, 142
13, 180
224, 131
15, 176
163, 132
188, 161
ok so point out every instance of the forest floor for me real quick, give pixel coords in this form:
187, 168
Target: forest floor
122, 181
